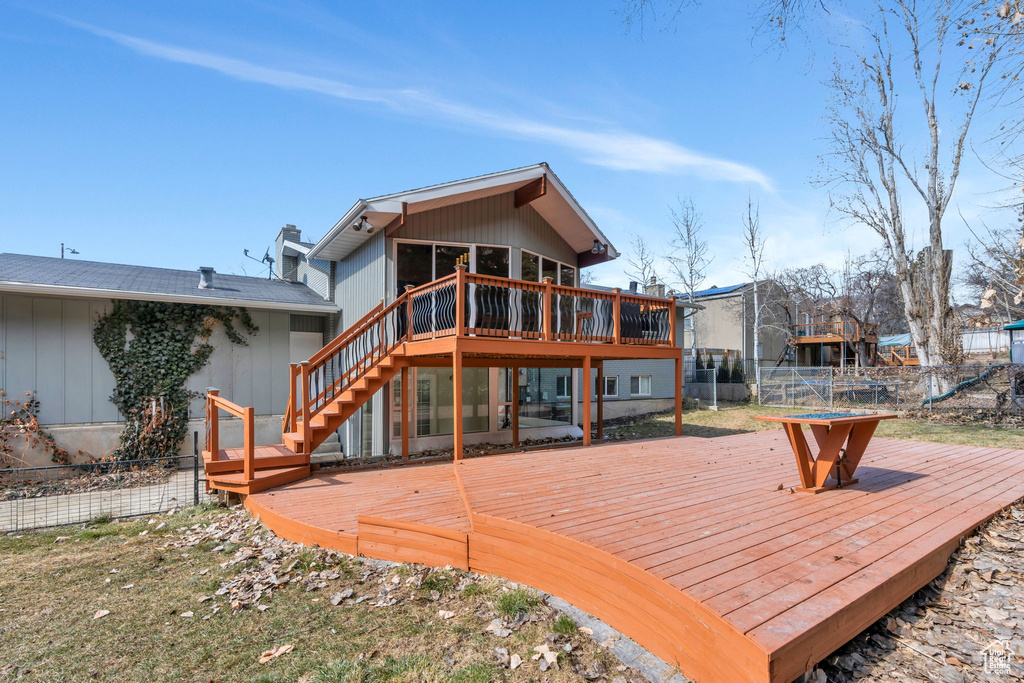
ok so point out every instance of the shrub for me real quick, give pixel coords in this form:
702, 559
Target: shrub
737, 372
723, 371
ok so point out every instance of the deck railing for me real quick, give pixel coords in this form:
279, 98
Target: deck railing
214, 404
849, 330
903, 354
472, 305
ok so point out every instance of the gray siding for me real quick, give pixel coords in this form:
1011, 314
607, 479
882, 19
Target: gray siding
46, 348
662, 374
492, 221
315, 274
360, 279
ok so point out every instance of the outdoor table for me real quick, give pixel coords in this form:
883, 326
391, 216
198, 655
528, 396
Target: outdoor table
831, 432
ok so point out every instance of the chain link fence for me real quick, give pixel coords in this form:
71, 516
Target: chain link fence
38, 497
998, 389
703, 387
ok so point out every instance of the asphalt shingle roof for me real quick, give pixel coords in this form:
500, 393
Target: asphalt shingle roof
45, 270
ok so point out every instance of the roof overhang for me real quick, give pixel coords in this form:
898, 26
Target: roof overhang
95, 293
556, 205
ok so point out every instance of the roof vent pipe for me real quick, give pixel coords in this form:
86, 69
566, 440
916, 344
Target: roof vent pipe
633, 284
205, 277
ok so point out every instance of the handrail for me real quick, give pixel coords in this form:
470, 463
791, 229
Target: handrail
216, 403
470, 304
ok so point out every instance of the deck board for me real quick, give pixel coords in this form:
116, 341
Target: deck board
695, 547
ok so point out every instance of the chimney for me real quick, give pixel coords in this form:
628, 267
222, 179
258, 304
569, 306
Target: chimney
655, 288
206, 277
290, 233
633, 285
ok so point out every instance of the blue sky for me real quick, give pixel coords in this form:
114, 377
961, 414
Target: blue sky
178, 134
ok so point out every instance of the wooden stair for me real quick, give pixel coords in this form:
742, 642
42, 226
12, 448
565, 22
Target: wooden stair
235, 482
343, 406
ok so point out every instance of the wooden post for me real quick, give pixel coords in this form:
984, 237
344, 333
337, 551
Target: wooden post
672, 321
405, 413
586, 400
515, 406
600, 399
457, 401
307, 430
617, 317
213, 420
679, 394
249, 442
293, 374
460, 300
408, 316
546, 308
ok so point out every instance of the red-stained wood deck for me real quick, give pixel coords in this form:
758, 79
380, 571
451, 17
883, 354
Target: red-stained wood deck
685, 544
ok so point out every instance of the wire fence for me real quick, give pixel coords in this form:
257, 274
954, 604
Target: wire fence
38, 497
703, 387
996, 389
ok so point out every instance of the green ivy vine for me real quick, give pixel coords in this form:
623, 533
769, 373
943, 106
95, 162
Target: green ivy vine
152, 349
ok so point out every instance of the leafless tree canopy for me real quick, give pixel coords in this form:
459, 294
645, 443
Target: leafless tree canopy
995, 272
641, 263
688, 258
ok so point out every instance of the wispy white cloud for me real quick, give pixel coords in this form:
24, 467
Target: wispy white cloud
610, 148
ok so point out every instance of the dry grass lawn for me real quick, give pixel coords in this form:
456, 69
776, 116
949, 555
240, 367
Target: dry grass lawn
739, 418
53, 584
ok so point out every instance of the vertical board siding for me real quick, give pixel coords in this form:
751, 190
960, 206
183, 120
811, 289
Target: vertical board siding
78, 347
360, 281
46, 348
491, 220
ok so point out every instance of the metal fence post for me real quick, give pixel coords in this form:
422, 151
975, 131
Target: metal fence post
831, 389
195, 467
931, 392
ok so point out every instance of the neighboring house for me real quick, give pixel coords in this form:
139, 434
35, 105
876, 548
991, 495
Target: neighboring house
725, 326
48, 307
521, 224
633, 387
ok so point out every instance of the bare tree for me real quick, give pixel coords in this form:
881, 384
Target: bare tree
995, 274
870, 166
754, 268
688, 257
641, 263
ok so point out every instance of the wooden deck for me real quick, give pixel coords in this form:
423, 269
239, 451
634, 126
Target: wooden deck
687, 545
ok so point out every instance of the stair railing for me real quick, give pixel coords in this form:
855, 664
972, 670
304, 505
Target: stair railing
214, 404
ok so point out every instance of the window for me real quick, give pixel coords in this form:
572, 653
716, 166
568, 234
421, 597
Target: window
535, 268
611, 385
563, 386
531, 267
492, 261
640, 385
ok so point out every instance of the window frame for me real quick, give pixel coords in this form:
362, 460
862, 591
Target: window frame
639, 385
433, 254
558, 269
566, 382
614, 378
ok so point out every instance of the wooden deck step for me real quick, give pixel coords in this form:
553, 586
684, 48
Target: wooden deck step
428, 524
235, 482
267, 457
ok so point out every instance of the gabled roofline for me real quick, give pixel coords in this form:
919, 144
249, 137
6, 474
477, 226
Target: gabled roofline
392, 203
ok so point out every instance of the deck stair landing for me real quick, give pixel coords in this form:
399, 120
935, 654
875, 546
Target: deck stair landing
730, 578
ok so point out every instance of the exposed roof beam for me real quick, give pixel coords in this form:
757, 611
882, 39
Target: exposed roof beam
399, 221
535, 189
